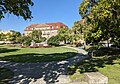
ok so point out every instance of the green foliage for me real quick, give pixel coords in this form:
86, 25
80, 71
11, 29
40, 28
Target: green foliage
16, 7
36, 35
64, 34
77, 31
14, 36
2, 37
102, 19
42, 39
55, 40
26, 40
77, 28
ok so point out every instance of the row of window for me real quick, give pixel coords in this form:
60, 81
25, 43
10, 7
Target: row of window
57, 27
53, 27
48, 33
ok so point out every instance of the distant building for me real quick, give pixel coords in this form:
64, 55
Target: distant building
48, 29
7, 31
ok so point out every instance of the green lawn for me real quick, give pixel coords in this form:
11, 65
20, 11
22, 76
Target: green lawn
17, 54
112, 72
5, 75
105, 60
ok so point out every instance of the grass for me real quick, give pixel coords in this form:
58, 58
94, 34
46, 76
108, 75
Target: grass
5, 75
105, 60
112, 72
77, 75
16, 54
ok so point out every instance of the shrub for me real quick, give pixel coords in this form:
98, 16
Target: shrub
54, 41
42, 39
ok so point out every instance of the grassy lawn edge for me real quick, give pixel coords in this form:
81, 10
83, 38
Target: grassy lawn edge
15, 54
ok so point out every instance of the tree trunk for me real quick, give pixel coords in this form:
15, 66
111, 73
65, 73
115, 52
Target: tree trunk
108, 42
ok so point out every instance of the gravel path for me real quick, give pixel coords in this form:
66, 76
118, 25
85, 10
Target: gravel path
43, 72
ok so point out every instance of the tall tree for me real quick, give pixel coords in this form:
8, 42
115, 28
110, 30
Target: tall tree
103, 18
36, 34
16, 7
63, 33
77, 29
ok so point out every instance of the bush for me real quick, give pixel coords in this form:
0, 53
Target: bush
103, 51
78, 44
26, 40
54, 41
42, 39
107, 51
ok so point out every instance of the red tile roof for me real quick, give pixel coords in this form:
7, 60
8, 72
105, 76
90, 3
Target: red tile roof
42, 25
30, 28
53, 26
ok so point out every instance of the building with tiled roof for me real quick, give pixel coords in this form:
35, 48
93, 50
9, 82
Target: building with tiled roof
48, 29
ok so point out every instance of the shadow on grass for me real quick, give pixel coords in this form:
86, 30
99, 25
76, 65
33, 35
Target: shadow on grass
47, 72
103, 57
5, 50
5, 75
33, 57
104, 51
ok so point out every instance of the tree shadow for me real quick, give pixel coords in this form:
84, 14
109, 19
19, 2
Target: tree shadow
104, 51
101, 58
45, 72
5, 50
34, 57
5, 75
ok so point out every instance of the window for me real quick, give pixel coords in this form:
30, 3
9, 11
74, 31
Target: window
52, 27
56, 26
44, 33
48, 33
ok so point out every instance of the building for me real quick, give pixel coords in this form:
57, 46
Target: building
48, 29
5, 35
7, 31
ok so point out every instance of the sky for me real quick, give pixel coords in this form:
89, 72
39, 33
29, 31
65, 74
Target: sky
45, 11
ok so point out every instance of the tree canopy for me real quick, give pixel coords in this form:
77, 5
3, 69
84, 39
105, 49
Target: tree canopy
63, 34
102, 18
16, 7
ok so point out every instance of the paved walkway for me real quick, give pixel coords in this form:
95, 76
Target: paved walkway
44, 72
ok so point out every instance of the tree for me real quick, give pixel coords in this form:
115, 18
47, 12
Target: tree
9, 37
16, 7
63, 34
2, 37
54, 40
16, 36
77, 28
26, 40
36, 34
103, 18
